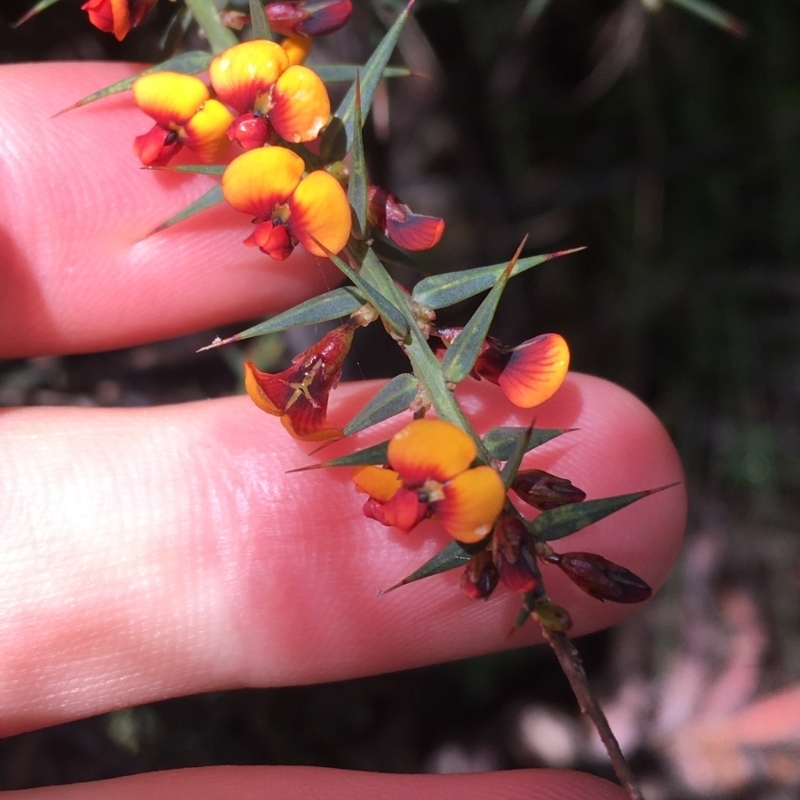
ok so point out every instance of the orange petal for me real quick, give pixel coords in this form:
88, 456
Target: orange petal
109, 16
320, 211
260, 179
299, 107
379, 483
472, 502
535, 370
310, 426
246, 71
297, 48
252, 384
430, 449
206, 133
169, 97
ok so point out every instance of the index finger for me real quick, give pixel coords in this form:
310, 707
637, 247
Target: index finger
78, 271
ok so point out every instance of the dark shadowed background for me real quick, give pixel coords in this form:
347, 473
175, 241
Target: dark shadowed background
672, 151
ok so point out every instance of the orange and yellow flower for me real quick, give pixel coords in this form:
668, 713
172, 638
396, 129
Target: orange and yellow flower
268, 184
117, 16
185, 115
258, 78
299, 395
528, 374
430, 474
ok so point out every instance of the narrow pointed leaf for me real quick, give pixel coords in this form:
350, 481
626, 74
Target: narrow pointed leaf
186, 63
206, 15
369, 456
500, 442
357, 185
331, 305
460, 357
564, 520
515, 459
440, 291
340, 73
195, 169
258, 19
394, 398
449, 557
712, 13
335, 146
383, 306
211, 198
175, 31
37, 9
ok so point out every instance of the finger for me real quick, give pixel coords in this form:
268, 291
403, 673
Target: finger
156, 552
212, 783
78, 269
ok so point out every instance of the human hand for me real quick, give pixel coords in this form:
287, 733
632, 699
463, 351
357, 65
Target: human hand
150, 553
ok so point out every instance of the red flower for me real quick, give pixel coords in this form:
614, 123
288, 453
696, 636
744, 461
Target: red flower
299, 395
528, 374
117, 16
430, 475
397, 221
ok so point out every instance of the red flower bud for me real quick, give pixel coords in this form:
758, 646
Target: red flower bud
602, 578
313, 18
397, 221
249, 130
480, 576
509, 544
542, 490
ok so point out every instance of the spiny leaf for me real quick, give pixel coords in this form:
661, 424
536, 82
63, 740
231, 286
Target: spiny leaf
211, 198
37, 9
460, 357
340, 73
205, 13
369, 456
195, 169
500, 442
564, 520
338, 137
712, 13
515, 459
394, 398
449, 557
440, 291
331, 305
357, 186
186, 63
383, 306
258, 19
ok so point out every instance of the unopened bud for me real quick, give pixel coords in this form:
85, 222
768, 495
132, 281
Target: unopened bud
602, 578
544, 491
480, 576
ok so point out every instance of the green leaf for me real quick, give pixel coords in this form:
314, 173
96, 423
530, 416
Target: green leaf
440, 291
37, 9
195, 169
564, 520
385, 308
331, 305
258, 19
712, 13
205, 13
338, 137
340, 73
515, 459
394, 398
211, 198
186, 63
449, 557
460, 357
369, 456
357, 186
500, 442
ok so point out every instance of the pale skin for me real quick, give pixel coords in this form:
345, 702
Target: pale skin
158, 552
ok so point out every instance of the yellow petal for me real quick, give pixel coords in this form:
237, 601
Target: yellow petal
299, 107
258, 180
320, 213
297, 48
246, 71
379, 483
430, 448
473, 501
169, 97
206, 133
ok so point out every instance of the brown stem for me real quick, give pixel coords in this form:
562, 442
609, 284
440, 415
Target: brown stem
570, 661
